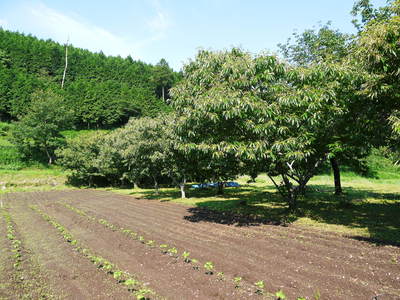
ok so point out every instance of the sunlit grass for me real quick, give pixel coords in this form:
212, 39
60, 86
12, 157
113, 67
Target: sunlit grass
32, 179
369, 208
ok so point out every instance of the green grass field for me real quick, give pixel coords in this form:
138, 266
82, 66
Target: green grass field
369, 208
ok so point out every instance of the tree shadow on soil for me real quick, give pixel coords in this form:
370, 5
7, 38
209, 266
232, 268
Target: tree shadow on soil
375, 213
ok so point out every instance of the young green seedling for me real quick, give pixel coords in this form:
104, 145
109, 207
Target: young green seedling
280, 295
185, 256
209, 266
195, 263
173, 251
126, 231
150, 243
107, 266
221, 275
163, 248
99, 262
117, 275
317, 295
141, 294
237, 281
260, 287
130, 283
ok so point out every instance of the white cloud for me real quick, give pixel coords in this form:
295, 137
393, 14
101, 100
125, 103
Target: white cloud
80, 33
159, 23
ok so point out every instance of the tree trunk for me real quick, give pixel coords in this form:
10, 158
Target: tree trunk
220, 188
302, 186
49, 156
66, 64
156, 186
336, 176
182, 188
163, 93
291, 197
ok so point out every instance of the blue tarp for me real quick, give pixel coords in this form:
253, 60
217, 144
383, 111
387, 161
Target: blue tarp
214, 184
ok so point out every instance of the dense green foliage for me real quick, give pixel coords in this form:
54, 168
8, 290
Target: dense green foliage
38, 133
316, 46
102, 91
334, 99
268, 116
327, 45
10, 158
379, 54
144, 152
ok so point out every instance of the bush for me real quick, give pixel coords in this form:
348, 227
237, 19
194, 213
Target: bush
80, 155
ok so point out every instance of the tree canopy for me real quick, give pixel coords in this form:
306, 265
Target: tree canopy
103, 91
257, 109
38, 133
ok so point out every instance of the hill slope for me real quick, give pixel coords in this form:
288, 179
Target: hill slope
103, 90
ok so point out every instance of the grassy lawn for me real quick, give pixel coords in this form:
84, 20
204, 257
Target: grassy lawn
17, 175
32, 179
369, 209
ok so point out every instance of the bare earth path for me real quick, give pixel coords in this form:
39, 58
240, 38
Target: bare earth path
301, 262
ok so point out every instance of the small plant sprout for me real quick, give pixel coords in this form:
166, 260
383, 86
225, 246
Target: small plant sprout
237, 281
141, 239
141, 294
173, 251
150, 243
209, 266
221, 275
99, 262
280, 295
107, 266
260, 287
117, 275
301, 298
195, 263
130, 283
185, 256
163, 248
393, 260
317, 295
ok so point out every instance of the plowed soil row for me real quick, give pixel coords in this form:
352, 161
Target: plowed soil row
20, 274
68, 275
301, 262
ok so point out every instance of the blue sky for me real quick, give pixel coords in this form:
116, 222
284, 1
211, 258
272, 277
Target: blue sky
172, 29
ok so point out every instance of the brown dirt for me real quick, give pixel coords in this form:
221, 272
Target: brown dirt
5, 263
68, 275
300, 261
23, 279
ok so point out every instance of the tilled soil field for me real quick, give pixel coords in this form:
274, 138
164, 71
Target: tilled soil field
88, 244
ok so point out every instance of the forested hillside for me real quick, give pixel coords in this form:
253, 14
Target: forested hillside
103, 91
